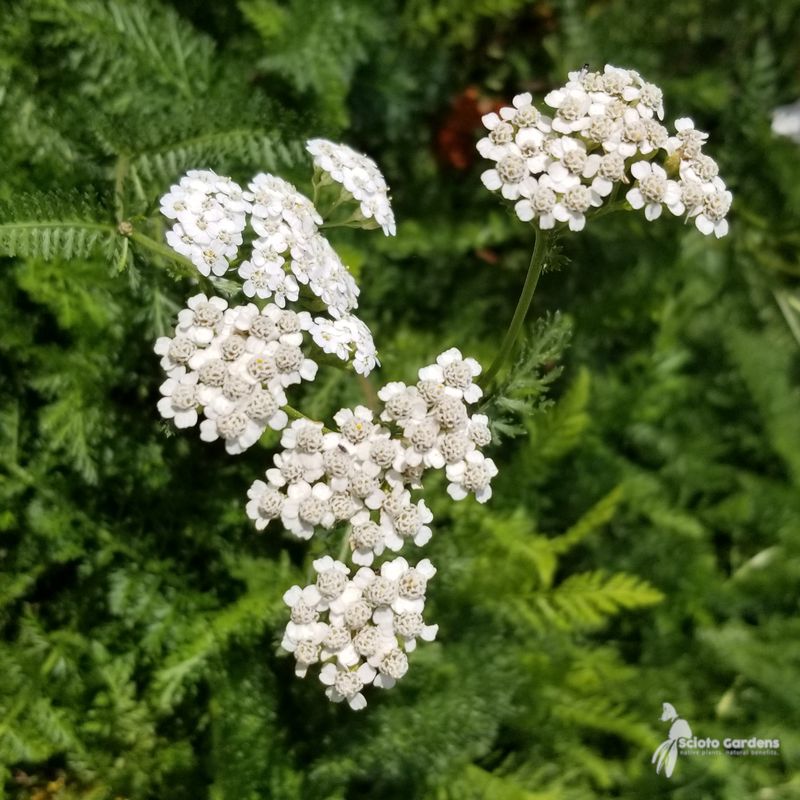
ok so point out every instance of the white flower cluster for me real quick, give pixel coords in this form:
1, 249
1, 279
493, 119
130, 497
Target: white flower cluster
358, 628
362, 473
235, 364
347, 338
290, 250
211, 215
360, 177
362, 476
214, 219
603, 132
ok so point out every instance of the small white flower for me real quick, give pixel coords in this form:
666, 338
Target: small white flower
202, 318
523, 114
274, 197
367, 538
570, 161
474, 475
179, 402
237, 429
572, 109
304, 622
291, 364
410, 522
716, 204
574, 204
422, 449
701, 168
478, 430
332, 582
347, 337
501, 135
533, 146
688, 140
175, 352
510, 175
267, 279
456, 374
605, 171
356, 424
307, 437
265, 504
653, 189
539, 203
264, 408
391, 667
410, 626
316, 264
292, 467
305, 508
411, 583
308, 649
402, 403
331, 338
646, 98
346, 684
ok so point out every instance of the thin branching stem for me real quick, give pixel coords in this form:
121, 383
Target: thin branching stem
535, 267
293, 413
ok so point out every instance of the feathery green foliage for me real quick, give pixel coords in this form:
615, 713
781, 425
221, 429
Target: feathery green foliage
643, 541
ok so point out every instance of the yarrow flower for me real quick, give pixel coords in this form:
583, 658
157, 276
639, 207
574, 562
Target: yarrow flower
362, 476
210, 213
214, 216
234, 364
360, 177
347, 338
228, 368
560, 166
361, 473
359, 629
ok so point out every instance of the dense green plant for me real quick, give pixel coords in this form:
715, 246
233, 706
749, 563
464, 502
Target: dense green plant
643, 544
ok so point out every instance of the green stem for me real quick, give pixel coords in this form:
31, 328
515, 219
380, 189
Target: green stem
342, 555
120, 173
524, 303
345, 222
163, 250
293, 413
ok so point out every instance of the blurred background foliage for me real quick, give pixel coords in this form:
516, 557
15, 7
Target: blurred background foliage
643, 544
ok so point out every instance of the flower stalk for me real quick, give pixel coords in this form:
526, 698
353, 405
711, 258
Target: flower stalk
538, 258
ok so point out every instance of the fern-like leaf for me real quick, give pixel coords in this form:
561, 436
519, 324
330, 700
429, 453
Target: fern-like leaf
48, 226
218, 149
587, 600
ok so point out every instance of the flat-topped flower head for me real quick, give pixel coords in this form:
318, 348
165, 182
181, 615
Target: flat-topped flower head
349, 339
360, 177
210, 213
558, 171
